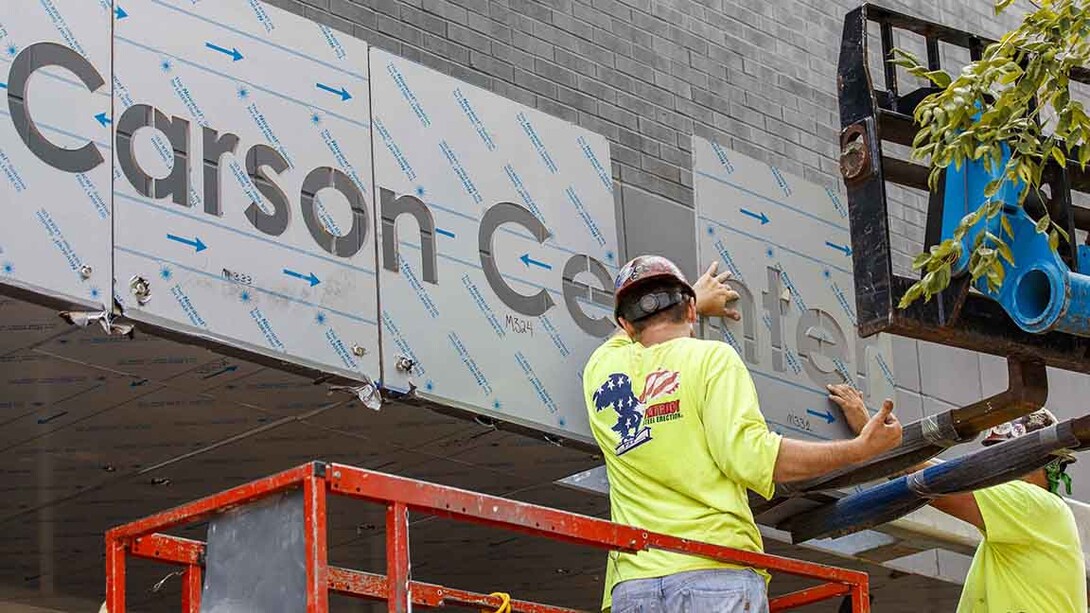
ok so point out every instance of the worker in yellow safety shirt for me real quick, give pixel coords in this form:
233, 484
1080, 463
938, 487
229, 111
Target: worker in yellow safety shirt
684, 439
1030, 558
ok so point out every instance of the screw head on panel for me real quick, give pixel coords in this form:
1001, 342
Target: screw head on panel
141, 289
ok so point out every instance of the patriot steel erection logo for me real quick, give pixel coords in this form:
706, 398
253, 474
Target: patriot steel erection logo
633, 413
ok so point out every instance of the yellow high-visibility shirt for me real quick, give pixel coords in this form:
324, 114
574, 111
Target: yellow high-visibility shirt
683, 439
1030, 559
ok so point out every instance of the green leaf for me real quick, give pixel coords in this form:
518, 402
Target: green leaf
1054, 240
913, 294
1063, 233
938, 77
942, 277
921, 260
1042, 224
1001, 5
1006, 223
1059, 156
1005, 252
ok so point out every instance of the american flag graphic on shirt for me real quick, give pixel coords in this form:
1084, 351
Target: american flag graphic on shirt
660, 383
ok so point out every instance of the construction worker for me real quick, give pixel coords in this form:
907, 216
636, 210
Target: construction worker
678, 421
1030, 558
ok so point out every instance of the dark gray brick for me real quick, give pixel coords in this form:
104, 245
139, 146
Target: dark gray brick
595, 123
590, 15
557, 74
624, 29
532, 45
534, 83
400, 30
600, 91
577, 99
331, 20
573, 62
618, 115
660, 168
516, 93
624, 155
657, 131
511, 54
573, 26
612, 42
491, 65
531, 8
637, 141
493, 29
558, 109
425, 21
353, 12
636, 104
469, 38
447, 10
446, 49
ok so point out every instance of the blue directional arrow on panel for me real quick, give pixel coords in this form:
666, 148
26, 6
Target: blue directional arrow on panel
759, 217
309, 278
232, 52
827, 415
197, 244
529, 261
342, 92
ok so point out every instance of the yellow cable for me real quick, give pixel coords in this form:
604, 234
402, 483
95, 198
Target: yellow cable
505, 606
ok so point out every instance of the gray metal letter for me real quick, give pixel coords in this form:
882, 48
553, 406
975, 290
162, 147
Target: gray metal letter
392, 208
176, 129
499, 214
344, 246
818, 334
745, 303
775, 305
176, 184
40, 55
135, 117
257, 158
573, 290
215, 145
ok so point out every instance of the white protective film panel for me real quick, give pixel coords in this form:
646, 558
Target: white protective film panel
788, 245
243, 181
55, 148
495, 205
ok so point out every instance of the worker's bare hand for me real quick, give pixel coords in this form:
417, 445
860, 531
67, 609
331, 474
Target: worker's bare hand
882, 432
714, 296
850, 401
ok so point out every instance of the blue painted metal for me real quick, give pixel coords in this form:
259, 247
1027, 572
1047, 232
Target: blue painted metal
1039, 292
983, 468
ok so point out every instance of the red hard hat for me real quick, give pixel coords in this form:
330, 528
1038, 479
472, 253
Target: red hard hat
643, 268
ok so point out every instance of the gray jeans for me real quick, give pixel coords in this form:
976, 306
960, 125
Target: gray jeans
698, 591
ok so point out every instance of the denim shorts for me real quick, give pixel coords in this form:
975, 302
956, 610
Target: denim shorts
698, 591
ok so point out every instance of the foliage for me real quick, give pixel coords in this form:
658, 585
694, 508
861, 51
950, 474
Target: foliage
1017, 94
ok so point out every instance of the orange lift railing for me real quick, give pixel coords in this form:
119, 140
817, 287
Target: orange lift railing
144, 538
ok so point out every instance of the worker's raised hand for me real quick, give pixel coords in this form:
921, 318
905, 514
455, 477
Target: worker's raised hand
882, 432
850, 401
713, 296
